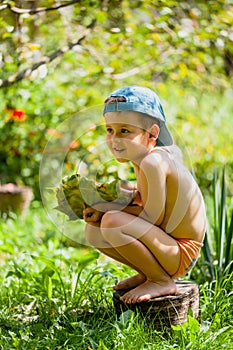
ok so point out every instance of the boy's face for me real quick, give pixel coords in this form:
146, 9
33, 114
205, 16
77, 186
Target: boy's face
125, 138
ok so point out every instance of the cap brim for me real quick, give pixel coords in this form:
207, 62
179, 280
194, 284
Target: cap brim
132, 106
165, 138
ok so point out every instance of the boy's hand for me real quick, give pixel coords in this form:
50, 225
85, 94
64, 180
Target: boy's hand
137, 198
92, 215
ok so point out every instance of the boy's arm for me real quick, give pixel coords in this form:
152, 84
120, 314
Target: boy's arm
153, 188
133, 209
130, 208
95, 214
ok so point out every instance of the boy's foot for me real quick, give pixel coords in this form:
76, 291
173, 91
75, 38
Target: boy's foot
131, 282
149, 290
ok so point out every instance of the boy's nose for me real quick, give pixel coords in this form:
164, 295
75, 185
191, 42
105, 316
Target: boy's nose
116, 140
115, 137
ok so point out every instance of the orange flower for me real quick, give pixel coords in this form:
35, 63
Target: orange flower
54, 132
74, 144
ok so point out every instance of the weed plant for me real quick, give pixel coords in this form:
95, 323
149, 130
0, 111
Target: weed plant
217, 253
57, 296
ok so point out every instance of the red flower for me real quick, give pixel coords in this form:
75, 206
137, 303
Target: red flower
19, 115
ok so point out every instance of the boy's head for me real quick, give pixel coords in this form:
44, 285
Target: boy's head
144, 101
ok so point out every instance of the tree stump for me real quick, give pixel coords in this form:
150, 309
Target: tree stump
15, 199
167, 310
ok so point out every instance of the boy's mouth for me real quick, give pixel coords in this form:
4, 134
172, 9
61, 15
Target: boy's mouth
119, 150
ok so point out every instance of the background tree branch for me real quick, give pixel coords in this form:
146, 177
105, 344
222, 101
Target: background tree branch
47, 59
20, 11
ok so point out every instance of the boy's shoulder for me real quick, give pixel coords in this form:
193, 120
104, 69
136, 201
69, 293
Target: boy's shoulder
158, 154
162, 157
169, 152
154, 160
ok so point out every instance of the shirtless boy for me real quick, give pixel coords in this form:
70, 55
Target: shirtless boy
161, 237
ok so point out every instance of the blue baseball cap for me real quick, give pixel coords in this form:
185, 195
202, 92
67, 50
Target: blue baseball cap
143, 100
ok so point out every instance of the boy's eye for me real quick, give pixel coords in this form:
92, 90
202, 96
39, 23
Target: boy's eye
124, 131
109, 130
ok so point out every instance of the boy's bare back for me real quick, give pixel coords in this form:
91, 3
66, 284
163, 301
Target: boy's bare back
170, 196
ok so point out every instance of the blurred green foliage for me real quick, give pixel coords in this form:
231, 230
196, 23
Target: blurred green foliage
182, 50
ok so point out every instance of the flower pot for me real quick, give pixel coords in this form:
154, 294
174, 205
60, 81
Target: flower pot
15, 199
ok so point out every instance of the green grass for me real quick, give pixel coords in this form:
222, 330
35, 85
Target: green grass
55, 295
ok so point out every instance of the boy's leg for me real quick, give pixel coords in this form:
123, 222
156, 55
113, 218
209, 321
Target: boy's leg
153, 252
96, 239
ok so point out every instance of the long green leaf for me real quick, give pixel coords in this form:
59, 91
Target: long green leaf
229, 249
50, 264
74, 283
48, 286
208, 256
87, 259
222, 220
216, 216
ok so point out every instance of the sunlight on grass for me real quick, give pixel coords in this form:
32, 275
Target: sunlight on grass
59, 296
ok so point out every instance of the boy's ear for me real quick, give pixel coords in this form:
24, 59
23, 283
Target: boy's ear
154, 131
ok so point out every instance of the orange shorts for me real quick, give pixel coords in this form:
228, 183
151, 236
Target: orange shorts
189, 253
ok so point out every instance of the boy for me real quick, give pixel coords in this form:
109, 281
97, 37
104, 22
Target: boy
161, 237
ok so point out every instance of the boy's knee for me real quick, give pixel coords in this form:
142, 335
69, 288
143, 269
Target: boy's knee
109, 223
110, 219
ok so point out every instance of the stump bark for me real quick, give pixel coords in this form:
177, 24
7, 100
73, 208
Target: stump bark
167, 310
